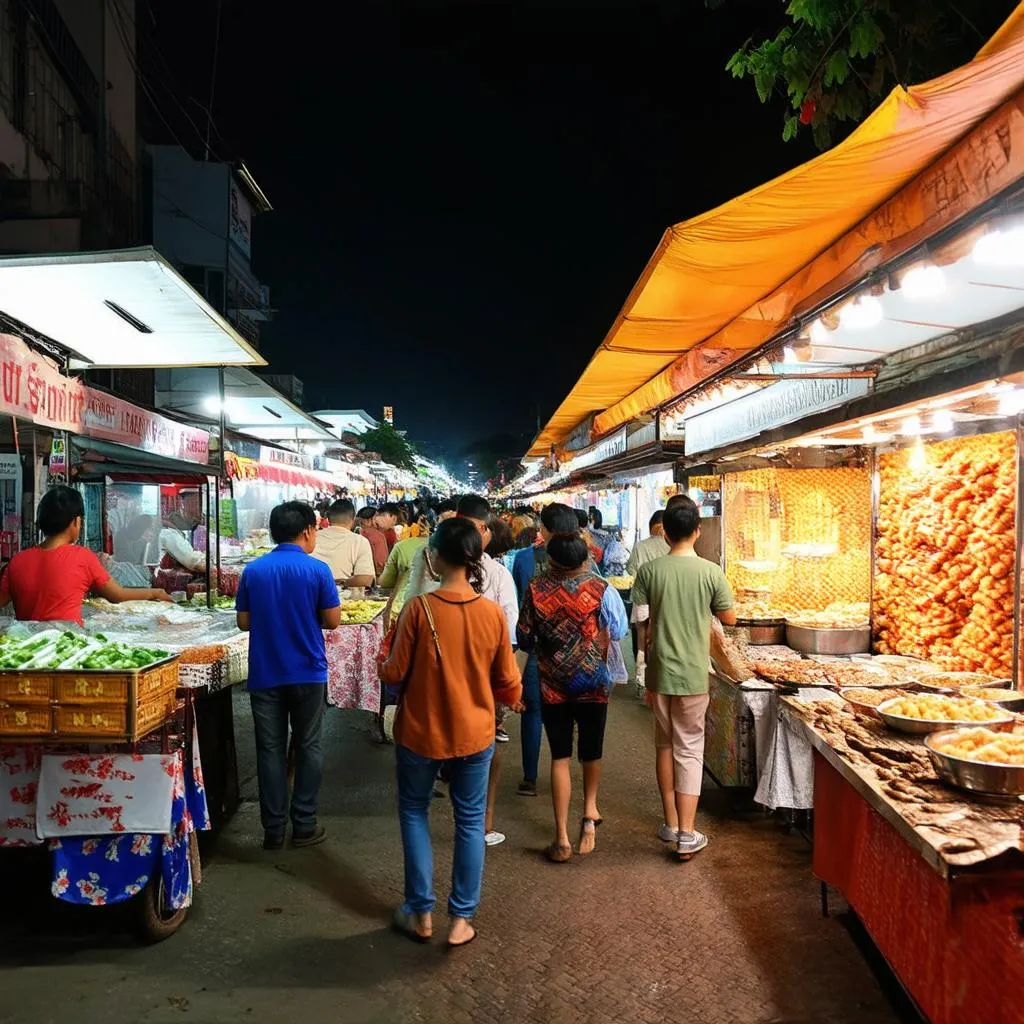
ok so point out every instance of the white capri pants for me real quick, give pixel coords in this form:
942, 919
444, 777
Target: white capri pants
679, 725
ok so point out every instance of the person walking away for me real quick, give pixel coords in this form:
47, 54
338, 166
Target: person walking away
398, 567
285, 600
378, 542
531, 561
346, 554
569, 618
683, 591
654, 546
452, 655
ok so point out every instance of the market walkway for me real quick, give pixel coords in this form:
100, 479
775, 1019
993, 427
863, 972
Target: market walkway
735, 937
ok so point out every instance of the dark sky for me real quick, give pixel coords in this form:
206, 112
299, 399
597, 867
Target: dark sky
465, 193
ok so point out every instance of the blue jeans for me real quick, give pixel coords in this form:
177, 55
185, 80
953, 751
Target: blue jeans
467, 781
272, 709
530, 723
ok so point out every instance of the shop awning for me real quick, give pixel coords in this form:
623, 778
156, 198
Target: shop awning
702, 300
101, 458
124, 308
251, 405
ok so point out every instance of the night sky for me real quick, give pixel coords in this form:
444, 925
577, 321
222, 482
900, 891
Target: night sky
465, 193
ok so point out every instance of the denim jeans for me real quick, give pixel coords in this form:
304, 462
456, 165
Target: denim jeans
467, 779
530, 723
273, 709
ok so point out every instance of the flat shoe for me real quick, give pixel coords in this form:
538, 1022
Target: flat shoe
588, 837
401, 921
314, 838
558, 854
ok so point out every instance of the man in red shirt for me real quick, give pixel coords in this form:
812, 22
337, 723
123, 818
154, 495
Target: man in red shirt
378, 542
385, 520
47, 583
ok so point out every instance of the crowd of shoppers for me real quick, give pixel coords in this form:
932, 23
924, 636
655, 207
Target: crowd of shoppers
491, 616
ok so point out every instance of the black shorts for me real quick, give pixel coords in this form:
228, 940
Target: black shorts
589, 716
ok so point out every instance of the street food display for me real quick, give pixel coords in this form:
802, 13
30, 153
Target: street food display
852, 674
799, 539
981, 745
360, 612
621, 582
792, 672
754, 610
933, 707
945, 553
958, 680
867, 698
838, 615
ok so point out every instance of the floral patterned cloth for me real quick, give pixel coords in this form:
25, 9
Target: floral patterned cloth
352, 680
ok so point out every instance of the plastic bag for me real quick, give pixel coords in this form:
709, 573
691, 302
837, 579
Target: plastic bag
727, 657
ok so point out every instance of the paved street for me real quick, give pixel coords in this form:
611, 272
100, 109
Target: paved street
735, 937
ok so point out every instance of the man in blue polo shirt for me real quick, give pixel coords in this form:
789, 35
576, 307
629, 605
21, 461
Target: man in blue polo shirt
285, 600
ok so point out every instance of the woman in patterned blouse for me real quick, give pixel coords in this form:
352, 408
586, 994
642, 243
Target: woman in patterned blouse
569, 618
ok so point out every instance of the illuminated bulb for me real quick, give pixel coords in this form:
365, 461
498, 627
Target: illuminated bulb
923, 282
1001, 247
868, 433
918, 459
789, 355
911, 426
212, 405
943, 421
862, 314
819, 333
1011, 403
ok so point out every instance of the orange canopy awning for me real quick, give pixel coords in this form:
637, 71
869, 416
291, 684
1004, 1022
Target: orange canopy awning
702, 300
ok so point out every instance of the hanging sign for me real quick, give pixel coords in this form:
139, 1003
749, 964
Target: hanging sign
33, 388
606, 448
58, 463
776, 405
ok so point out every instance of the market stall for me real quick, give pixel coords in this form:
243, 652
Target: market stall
352, 649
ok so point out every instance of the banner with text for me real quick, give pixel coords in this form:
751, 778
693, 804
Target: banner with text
33, 388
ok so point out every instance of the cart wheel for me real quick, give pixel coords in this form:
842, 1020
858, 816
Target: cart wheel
154, 920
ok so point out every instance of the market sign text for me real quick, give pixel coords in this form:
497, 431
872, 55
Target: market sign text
108, 418
776, 405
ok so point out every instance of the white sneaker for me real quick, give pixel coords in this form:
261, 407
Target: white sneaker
690, 843
667, 835
494, 838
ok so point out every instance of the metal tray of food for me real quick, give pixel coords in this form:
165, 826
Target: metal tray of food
759, 632
1008, 699
828, 641
924, 726
954, 681
979, 776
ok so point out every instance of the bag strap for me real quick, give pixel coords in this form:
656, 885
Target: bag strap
433, 628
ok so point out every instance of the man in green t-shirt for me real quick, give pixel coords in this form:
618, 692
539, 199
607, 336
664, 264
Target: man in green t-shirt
683, 591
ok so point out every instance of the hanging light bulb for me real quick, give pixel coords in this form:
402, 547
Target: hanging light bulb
918, 459
1011, 403
818, 333
911, 426
789, 355
1000, 247
861, 314
923, 282
942, 421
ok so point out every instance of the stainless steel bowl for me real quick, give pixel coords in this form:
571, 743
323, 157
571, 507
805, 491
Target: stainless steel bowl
977, 776
828, 641
759, 632
922, 726
953, 682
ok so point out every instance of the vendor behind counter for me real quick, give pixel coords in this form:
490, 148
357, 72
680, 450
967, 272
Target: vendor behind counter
48, 582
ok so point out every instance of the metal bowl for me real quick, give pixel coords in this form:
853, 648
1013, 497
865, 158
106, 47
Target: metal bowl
954, 681
977, 776
828, 641
759, 632
846, 692
924, 726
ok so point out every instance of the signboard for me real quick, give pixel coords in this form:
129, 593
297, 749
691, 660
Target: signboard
107, 418
281, 457
776, 405
606, 448
33, 388
58, 463
389, 414
228, 521
240, 220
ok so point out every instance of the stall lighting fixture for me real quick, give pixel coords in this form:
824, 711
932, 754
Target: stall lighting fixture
923, 282
789, 355
918, 459
911, 426
1011, 403
942, 421
819, 333
1001, 247
861, 314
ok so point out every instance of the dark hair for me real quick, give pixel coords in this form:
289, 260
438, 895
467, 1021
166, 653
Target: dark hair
389, 508
367, 513
58, 508
656, 519
681, 519
569, 550
472, 506
582, 519
458, 542
527, 537
559, 518
289, 520
446, 506
677, 500
341, 511
501, 537
594, 514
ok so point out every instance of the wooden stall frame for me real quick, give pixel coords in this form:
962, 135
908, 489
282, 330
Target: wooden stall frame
1018, 682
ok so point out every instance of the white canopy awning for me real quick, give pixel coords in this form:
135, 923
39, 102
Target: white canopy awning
251, 405
124, 308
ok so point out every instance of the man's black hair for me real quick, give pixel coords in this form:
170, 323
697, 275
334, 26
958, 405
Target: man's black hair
681, 519
559, 518
367, 513
594, 514
677, 499
341, 511
290, 520
472, 506
656, 519
582, 519
447, 506
389, 508
58, 509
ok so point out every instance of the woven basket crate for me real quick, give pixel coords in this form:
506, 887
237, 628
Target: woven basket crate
95, 721
25, 688
25, 721
211, 674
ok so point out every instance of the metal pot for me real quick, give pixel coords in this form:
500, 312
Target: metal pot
978, 776
828, 641
758, 632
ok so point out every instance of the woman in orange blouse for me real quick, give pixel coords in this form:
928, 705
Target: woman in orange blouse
452, 654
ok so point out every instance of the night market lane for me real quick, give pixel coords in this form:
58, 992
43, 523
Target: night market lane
627, 935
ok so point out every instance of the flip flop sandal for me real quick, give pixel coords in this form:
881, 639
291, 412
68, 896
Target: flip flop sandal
459, 945
402, 922
558, 854
588, 837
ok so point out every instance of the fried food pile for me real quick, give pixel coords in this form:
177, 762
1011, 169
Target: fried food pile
984, 745
945, 555
930, 707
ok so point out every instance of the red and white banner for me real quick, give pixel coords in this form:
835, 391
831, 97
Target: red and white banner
32, 388
107, 418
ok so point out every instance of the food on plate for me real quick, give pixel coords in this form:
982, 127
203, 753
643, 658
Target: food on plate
621, 582
757, 610
838, 615
903, 670
992, 693
853, 674
945, 554
932, 707
958, 680
222, 602
983, 745
52, 649
801, 673
356, 613
870, 697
